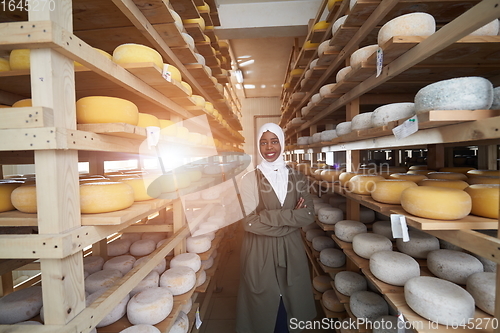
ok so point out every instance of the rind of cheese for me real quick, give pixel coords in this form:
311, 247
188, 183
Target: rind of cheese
136, 53
92, 264
191, 260
456, 184
485, 199
337, 24
179, 279
363, 184
6, 190
341, 74
407, 176
393, 267
331, 301
146, 119
419, 245
343, 128
26, 102
362, 54
174, 72
23, 198
346, 230
4, 65
322, 283
389, 190
347, 282
118, 247
412, 24
115, 314
150, 306
384, 114
102, 279
368, 305
105, 197
19, 59
20, 305
482, 286
366, 244
142, 247
447, 175
104, 109
454, 266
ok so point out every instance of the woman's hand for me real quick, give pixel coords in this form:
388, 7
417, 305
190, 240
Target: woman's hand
300, 204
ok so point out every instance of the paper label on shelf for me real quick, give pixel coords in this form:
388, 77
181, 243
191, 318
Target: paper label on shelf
198, 321
380, 61
153, 135
167, 74
407, 128
399, 227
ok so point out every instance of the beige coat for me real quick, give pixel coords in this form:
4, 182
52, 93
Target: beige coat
273, 259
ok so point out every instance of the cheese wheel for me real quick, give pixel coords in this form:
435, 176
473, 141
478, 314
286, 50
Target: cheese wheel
322, 242
4, 65
420, 172
346, 176
413, 24
322, 283
363, 184
189, 40
483, 180
330, 175
383, 228
141, 328
366, 244
23, 103
474, 173
318, 206
447, 175
198, 244
362, 121
142, 247
326, 89
92, 264
343, 128
393, 267
331, 301
489, 29
325, 47
496, 99
151, 280
160, 268
102, 279
118, 247
177, 19
103, 109
179, 280
384, 114
361, 55
144, 187
341, 74
439, 301
419, 245
201, 278
463, 93
6, 189
173, 72
23, 198
346, 230
200, 21
136, 53
485, 199
105, 197
407, 176
418, 167
313, 63
456, 184
123, 263
20, 305
181, 324
337, 24
454, 266
331, 257
313, 233
368, 305
347, 282
115, 314
463, 170
389, 190
146, 120
191, 260
150, 306
187, 306
316, 137
19, 59
330, 215
208, 263
482, 287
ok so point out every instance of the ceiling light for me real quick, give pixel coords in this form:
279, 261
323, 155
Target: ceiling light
238, 75
245, 63
249, 86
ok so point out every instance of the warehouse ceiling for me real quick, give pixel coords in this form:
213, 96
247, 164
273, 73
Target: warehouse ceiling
261, 35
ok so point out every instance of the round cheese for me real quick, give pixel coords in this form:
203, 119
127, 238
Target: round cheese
20, 305
146, 119
383, 228
485, 199
115, 314
439, 300
314, 63
187, 87
331, 301
4, 65
341, 74
447, 175
123, 263
393, 267
316, 137
142, 247
361, 55
496, 99
448, 183
325, 47
389, 190
19, 59
102, 197
191, 260
141, 328
436, 202
160, 268
322, 283
326, 89
315, 98
362, 121
181, 324
102, 279
331, 257
303, 140
318, 206
454, 266
151, 280
144, 187
419, 245
337, 24
489, 29
177, 19
474, 173
118, 247
463, 93
322, 242
407, 176
482, 287
23, 103
343, 128
6, 190
346, 230
363, 184
198, 244
347, 282
136, 53
23, 198
187, 306
368, 305
200, 21
104, 109
313, 233
189, 40
330, 215
179, 280
156, 236
202, 277
483, 180
456, 169
92, 264
413, 24
330, 175
173, 72
384, 114
366, 244
150, 306
208, 263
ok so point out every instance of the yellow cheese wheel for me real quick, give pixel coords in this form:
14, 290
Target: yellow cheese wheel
418, 167
223, 44
331, 3
198, 100
168, 127
485, 199
207, 39
389, 190
146, 119
484, 180
182, 179
204, 7
330, 175
200, 21
363, 184
473, 173
407, 176
456, 169
420, 172
209, 107
23, 103
187, 87
296, 72
344, 177
209, 27
24, 198
141, 187
105, 197
4, 106
436, 202
317, 174
4, 65
450, 183
6, 189
136, 53
175, 74
447, 175
321, 25
104, 109
310, 45
19, 59
182, 132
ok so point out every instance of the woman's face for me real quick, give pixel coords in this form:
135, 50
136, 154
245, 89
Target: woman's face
269, 146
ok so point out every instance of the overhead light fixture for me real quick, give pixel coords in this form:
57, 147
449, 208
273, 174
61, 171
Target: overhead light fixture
245, 63
239, 75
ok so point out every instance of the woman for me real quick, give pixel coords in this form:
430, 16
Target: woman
275, 283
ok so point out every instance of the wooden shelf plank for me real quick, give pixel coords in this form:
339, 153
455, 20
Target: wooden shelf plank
186, 9
360, 262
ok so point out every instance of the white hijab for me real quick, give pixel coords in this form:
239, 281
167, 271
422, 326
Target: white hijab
275, 172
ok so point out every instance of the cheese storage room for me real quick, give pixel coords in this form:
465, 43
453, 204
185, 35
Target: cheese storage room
260, 166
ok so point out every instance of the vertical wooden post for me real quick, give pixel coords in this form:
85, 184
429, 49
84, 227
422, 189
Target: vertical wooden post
6, 284
53, 86
487, 157
179, 222
435, 157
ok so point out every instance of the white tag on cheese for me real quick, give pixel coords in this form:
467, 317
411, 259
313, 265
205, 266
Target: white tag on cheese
167, 75
407, 128
380, 61
399, 227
